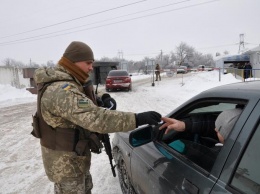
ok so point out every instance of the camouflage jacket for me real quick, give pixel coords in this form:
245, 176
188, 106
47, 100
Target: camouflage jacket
64, 105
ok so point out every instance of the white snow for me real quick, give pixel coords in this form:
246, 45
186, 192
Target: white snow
21, 169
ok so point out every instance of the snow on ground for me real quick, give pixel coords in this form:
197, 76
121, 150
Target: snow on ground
11, 96
21, 169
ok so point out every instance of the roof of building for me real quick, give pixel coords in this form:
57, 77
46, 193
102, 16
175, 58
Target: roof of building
234, 58
256, 49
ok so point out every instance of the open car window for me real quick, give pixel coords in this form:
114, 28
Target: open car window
199, 148
201, 155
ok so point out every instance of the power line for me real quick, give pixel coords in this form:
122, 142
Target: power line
131, 19
66, 21
219, 46
93, 23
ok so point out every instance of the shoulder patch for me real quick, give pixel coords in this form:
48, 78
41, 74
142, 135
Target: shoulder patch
66, 87
83, 103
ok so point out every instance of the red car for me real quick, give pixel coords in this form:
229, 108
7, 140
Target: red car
118, 80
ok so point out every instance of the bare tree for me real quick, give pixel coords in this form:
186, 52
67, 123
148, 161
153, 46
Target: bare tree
50, 64
13, 63
226, 52
184, 52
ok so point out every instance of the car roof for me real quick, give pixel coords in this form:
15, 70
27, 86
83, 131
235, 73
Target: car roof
242, 89
243, 86
117, 71
245, 91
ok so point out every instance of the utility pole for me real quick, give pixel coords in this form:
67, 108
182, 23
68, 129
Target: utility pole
120, 56
241, 43
153, 71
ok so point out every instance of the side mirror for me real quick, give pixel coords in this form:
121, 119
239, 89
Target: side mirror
141, 136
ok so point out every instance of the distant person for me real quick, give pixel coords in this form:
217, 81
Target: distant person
247, 70
205, 126
68, 119
158, 72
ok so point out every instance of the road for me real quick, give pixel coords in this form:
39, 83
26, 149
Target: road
21, 169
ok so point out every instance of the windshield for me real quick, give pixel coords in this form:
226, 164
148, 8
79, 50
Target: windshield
118, 73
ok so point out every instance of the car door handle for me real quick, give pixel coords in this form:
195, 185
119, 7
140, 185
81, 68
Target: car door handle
189, 187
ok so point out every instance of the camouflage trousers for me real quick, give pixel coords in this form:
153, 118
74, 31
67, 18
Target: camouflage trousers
69, 172
82, 185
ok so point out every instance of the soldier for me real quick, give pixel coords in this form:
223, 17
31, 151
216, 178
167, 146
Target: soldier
66, 119
158, 72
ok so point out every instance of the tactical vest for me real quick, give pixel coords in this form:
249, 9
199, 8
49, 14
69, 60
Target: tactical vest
65, 139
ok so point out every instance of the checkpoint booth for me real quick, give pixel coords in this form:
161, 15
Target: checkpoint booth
101, 70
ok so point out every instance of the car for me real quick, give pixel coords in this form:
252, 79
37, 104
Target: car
118, 80
205, 68
150, 161
182, 69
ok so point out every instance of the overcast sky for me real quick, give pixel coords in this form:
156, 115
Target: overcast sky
41, 30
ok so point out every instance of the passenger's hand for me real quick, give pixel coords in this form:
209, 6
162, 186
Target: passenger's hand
172, 124
108, 102
150, 117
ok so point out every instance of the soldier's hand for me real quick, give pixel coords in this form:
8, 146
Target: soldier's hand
99, 101
150, 117
108, 102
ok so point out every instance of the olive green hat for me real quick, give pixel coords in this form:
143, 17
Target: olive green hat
78, 51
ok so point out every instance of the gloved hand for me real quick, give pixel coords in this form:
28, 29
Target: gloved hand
99, 101
108, 102
150, 117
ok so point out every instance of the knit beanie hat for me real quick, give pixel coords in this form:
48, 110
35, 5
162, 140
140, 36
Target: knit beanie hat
78, 51
226, 120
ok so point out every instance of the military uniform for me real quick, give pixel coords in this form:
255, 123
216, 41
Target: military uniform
157, 72
64, 105
66, 118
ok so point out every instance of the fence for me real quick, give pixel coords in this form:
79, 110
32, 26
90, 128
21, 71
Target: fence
244, 74
16, 78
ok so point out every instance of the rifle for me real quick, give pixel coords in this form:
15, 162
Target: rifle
104, 138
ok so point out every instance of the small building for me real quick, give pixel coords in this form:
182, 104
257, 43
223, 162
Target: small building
237, 61
101, 69
254, 55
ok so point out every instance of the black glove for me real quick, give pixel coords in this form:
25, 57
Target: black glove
99, 101
150, 117
108, 102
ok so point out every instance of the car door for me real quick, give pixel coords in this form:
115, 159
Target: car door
241, 173
158, 167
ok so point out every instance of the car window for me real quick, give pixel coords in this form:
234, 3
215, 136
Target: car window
214, 108
202, 149
247, 175
199, 154
118, 73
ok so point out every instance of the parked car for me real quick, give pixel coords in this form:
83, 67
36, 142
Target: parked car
205, 68
149, 161
118, 80
181, 69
